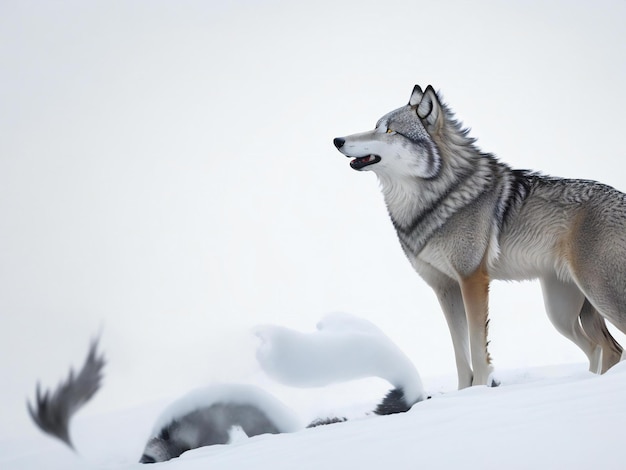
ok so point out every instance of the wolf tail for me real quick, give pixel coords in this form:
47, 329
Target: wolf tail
53, 410
595, 327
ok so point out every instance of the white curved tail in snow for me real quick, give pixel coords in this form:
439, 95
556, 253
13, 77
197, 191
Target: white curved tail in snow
343, 348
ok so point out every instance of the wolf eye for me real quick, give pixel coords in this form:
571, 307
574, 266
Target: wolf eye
389, 131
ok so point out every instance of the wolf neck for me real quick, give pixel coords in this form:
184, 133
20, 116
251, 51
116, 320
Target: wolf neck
419, 207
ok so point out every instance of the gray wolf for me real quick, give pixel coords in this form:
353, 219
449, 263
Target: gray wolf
464, 218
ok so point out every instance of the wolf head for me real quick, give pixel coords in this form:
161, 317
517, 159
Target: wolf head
401, 144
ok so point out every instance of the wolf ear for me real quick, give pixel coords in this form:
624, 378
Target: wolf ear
416, 96
428, 107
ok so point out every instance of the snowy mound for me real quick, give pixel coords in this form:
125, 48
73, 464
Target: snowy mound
344, 347
284, 418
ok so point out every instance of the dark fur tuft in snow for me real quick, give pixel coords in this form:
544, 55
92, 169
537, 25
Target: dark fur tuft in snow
325, 421
394, 402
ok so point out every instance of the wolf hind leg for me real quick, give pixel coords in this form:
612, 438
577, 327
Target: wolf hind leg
595, 327
563, 302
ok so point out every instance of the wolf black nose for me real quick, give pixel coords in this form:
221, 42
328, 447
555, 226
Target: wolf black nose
147, 459
338, 141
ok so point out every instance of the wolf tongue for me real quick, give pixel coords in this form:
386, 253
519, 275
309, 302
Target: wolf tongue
361, 162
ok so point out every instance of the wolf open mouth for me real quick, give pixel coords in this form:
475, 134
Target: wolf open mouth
362, 162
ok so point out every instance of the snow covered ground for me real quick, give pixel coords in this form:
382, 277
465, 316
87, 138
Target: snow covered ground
550, 417
553, 417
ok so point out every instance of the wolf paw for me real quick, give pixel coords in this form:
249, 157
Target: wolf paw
492, 381
486, 378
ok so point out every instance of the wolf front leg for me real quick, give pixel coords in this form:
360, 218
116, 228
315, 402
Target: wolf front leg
451, 301
475, 291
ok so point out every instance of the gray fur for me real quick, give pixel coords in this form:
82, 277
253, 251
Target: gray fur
212, 425
325, 422
394, 402
53, 411
464, 218
204, 427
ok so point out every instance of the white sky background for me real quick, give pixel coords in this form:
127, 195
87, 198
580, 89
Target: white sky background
167, 174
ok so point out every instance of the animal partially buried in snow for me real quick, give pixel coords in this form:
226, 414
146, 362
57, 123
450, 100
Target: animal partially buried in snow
203, 417
343, 348
212, 415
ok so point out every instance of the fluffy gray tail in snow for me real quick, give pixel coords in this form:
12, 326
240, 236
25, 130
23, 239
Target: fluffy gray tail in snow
52, 411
